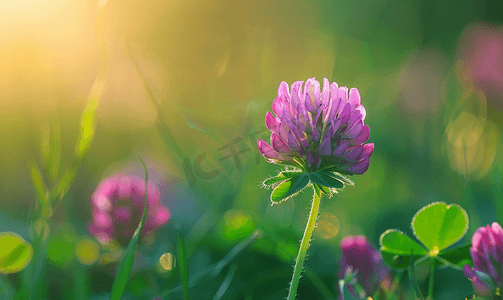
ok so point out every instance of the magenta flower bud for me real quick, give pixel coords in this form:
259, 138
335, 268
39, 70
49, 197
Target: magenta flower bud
359, 255
117, 206
315, 128
480, 287
487, 256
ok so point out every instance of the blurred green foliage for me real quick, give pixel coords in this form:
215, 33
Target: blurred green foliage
212, 70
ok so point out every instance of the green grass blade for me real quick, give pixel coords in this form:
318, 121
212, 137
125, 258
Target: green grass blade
122, 276
38, 183
215, 269
54, 157
87, 126
182, 260
66, 180
226, 283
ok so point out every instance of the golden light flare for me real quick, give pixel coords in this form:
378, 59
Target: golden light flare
328, 225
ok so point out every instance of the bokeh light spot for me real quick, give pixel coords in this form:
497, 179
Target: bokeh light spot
60, 250
87, 251
328, 225
237, 225
235, 219
167, 261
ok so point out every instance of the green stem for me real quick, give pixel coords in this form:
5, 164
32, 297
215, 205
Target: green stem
311, 223
432, 277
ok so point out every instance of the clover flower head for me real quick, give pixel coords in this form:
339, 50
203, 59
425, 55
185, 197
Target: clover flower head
313, 128
487, 255
117, 206
359, 255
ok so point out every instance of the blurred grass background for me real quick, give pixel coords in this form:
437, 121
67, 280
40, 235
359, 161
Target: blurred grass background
431, 78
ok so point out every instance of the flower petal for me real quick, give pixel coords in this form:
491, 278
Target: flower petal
368, 149
341, 148
277, 107
354, 131
268, 152
361, 167
296, 93
353, 154
345, 113
283, 91
325, 148
310, 99
498, 242
354, 98
362, 138
292, 142
342, 94
325, 94
278, 144
480, 287
362, 110
271, 122
334, 106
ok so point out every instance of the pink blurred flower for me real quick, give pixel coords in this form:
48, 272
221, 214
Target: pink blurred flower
487, 256
480, 51
313, 129
359, 255
117, 206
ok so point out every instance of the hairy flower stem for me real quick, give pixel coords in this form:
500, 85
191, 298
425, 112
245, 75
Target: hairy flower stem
304, 244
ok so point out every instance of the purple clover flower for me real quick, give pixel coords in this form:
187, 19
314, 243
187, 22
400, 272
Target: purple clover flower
313, 129
117, 206
487, 256
358, 254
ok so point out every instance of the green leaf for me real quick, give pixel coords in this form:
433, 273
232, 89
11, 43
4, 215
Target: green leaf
342, 178
182, 258
326, 179
333, 173
38, 183
456, 257
15, 253
326, 191
289, 188
64, 183
122, 276
396, 248
280, 177
439, 225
